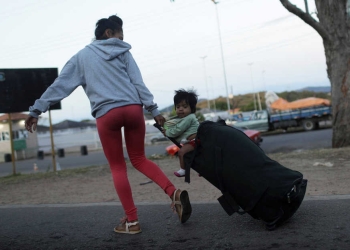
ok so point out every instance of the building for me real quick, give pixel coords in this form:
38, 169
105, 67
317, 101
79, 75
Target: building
25, 144
68, 135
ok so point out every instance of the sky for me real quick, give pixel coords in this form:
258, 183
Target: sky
234, 47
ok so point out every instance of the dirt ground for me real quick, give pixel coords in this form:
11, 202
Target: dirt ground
327, 171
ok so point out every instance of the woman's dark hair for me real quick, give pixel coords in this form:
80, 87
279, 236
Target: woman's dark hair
190, 97
114, 23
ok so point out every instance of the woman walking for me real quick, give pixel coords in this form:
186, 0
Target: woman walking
113, 83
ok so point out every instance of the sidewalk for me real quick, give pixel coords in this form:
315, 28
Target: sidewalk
320, 223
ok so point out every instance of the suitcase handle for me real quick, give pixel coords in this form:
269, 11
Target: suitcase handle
170, 138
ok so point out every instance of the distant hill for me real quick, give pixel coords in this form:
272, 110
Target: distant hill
245, 102
167, 109
171, 107
322, 89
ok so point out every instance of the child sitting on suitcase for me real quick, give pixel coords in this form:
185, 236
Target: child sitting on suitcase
184, 126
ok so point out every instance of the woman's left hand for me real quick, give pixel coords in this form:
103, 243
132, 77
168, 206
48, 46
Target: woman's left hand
31, 123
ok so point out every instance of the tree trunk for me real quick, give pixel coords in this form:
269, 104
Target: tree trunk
334, 28
338, 63
333, 17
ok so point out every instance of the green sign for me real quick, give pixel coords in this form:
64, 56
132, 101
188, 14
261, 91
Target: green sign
19, 144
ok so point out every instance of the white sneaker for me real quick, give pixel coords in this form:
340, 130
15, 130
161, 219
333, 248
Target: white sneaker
180, 173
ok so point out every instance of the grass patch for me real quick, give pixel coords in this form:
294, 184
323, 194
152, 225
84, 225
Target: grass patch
90, 170
17, 178
157, 156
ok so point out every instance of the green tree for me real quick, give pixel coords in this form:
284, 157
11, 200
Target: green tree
248, 107
221, 105
172, 113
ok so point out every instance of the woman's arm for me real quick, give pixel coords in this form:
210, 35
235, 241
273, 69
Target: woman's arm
136, 79
68, 80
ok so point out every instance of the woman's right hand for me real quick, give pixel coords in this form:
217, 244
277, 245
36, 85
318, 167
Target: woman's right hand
31, 123
164, 132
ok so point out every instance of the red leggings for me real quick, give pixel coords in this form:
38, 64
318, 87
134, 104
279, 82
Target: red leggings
109, 129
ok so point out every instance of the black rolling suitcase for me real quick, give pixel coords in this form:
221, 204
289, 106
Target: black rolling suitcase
249, 180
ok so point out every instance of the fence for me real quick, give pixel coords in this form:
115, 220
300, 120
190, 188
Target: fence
71, 140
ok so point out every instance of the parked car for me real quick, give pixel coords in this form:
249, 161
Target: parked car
159, 137
254, 135
234, 119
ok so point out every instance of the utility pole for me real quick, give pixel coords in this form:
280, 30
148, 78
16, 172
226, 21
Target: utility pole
231, 97
222, 57
11, 144
206, 80
259, 102
52, 144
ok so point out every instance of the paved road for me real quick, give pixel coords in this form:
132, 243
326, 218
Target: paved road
275, 143
288, 142
318, 224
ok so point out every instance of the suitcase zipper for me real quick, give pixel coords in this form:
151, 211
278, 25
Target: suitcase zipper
293, 189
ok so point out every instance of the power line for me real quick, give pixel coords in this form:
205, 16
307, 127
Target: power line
130, 24
60, 45
56, 43
239, 56
47, 47
177, 56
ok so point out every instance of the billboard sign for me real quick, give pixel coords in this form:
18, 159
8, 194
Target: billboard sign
19, 88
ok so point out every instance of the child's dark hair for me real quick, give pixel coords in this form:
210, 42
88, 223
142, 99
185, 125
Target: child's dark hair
114, 23
190, 97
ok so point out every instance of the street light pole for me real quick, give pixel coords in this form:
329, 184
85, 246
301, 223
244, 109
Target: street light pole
255, 93
231, 97
263, 78
206, 80
251, 77
212, 87
222, 57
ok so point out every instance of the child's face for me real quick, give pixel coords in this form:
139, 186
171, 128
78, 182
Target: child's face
183, 109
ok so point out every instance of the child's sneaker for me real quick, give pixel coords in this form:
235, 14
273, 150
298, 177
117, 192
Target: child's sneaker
180, 173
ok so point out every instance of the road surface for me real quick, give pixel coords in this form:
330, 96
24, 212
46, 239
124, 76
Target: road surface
272, 144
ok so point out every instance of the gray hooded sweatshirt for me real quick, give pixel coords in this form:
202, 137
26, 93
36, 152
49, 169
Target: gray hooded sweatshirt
109, 76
